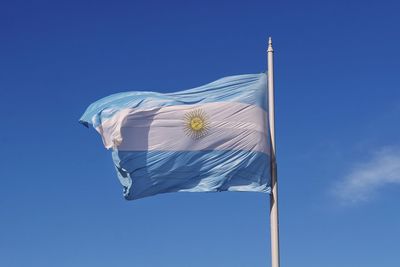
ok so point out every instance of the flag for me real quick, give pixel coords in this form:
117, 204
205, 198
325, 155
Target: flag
207, 139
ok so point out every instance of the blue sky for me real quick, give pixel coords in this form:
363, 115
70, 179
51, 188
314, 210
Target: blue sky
337, 120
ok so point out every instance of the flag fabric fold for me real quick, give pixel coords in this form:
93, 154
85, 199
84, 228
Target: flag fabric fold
207, 139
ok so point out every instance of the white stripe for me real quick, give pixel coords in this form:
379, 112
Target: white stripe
232, 125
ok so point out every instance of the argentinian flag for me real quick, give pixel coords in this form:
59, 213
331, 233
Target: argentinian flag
211, 138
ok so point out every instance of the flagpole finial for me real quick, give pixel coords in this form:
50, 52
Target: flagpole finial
270, 49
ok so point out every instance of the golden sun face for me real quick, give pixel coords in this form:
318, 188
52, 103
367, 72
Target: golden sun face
196, 124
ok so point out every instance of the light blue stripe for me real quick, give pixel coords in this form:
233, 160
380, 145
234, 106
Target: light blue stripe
248, 89
147, 173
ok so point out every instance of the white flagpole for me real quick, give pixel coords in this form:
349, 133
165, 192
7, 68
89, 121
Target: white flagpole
274, 183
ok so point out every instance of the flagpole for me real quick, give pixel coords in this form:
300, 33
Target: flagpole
274, 223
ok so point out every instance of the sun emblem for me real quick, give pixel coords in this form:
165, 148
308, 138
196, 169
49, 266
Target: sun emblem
196, 124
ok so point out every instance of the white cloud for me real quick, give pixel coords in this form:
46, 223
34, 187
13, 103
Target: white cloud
364, 179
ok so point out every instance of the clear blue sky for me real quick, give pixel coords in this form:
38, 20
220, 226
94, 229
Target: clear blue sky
337, 114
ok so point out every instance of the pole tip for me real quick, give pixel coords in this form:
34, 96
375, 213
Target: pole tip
270, 49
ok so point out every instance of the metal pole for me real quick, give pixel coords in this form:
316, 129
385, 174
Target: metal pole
274, 223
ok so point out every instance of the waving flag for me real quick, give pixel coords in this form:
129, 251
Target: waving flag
210, 138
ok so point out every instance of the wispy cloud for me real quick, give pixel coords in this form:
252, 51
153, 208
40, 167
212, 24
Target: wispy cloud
365, 178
